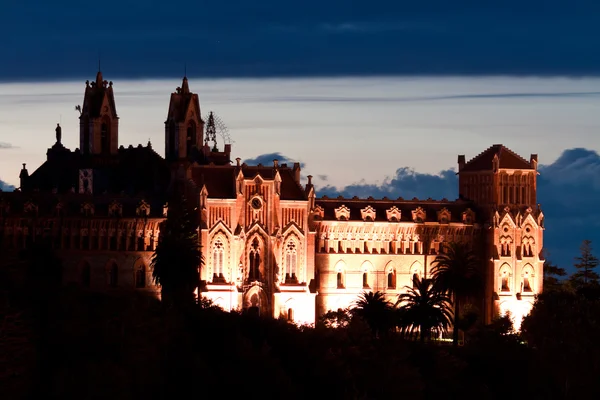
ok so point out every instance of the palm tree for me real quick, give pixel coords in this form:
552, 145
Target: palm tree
177, 260
424, 309
375, 310
456, 272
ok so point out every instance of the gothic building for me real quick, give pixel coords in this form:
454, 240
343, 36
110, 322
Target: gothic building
270, 244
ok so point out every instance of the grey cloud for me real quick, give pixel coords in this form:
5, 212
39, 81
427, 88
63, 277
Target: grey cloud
5, 186
4, 145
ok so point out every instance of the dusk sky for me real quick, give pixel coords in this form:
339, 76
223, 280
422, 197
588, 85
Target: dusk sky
373, 98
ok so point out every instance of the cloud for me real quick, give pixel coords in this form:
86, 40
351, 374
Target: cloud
4, 145
5, 186
267, 159
568, 190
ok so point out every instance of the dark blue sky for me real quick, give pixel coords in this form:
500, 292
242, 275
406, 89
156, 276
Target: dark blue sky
42, 40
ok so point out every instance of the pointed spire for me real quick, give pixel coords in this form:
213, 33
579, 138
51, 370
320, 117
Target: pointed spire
99, 78
185, 88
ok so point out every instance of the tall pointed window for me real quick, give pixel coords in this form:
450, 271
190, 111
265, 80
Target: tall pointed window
254, 273
340, 280
391, 279
191, 137
140, 277
291, 258
104, 139
218, 253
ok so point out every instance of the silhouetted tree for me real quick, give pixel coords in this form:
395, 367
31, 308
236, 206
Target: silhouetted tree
375, 310
177, 260
552, 274
586, 265
424, 308
336, 319
456, 272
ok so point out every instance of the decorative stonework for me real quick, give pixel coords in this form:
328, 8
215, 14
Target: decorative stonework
342, 213
444, 216
393, 214
468, 216
87, 209
418, 215
115, 209
318, 212
368, 213
143, 209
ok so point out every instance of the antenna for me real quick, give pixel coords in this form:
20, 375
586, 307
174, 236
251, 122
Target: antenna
185, 69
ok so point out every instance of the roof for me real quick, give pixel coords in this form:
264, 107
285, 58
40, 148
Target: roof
485, 161
431, 208
94, 97
133, 170
220, 180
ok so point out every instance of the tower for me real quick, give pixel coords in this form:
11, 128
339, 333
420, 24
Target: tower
184, 127
503, 185
98, 122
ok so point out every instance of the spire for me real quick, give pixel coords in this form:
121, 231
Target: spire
185, 88
99, 78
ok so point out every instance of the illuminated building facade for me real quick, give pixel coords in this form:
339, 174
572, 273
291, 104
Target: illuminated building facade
270, 245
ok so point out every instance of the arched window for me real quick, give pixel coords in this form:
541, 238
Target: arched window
505, 275
172, 141
415, 280
86, 275
527, 284
218, 254
290, 314
365, 279
254, 273
416, 271
291, 258
140, 277
191, 137
105, 137
391, 278
340, 280
113, 275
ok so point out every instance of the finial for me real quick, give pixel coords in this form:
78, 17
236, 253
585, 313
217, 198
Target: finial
309, 179
24, 166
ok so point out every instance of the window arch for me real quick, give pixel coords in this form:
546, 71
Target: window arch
254, 260
140, 276
190, 137
391, 276
340, 269
112, 274
416, 273
291, 261
218, 257
504, 276
105, 138
528, 246
527, 276
366, 268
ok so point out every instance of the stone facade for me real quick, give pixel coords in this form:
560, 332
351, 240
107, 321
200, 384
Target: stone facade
270, 245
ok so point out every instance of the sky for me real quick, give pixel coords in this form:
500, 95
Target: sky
373, 100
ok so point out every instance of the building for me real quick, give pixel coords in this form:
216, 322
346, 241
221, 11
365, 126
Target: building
270, 244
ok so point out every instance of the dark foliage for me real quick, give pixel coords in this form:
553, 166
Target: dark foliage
376, 311
586, 265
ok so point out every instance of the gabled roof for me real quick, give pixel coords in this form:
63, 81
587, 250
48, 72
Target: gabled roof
507, 159
94, 97
181, 101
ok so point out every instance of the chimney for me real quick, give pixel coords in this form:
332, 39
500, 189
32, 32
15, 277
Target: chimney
309, 184
296, 170
533, 160
461, 162
238, 160
275, 163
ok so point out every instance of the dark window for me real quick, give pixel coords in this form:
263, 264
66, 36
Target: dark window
290, 314
365, 280
340, 281
390, 281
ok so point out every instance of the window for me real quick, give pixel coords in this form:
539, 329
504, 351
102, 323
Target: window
340, 280
505, 279
140, 277
113, 275
105, 138
254, 273
218, 253
290, 314
291, 258
191, 138
365, 279
415, 279
390, 280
